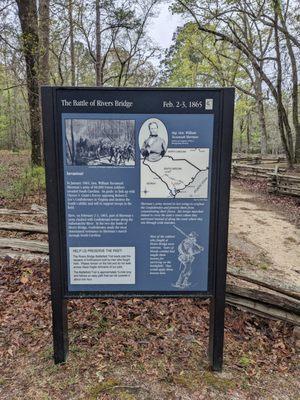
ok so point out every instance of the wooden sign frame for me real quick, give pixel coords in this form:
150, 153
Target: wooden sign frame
220, 189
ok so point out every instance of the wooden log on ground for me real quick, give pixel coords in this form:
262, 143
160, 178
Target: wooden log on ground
18, 255
287, 308
262, 310
273, 298
267, 281
35, 209
11, 226
6, 211
39, 209
29, 245
246, 275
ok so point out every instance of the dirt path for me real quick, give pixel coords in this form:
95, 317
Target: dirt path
264, 235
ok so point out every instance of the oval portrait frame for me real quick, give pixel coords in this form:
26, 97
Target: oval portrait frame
144, 133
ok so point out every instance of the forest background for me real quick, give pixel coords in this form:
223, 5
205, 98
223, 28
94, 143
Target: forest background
252, 46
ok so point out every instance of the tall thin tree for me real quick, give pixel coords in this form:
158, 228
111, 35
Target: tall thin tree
98, 45
27, 11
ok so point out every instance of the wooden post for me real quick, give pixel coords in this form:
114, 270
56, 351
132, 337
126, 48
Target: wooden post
59, 303
217, 304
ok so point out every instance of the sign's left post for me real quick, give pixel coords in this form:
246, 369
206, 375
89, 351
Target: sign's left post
55, 222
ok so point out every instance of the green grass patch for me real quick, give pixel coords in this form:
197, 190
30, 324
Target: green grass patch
217, 382
244, 361
263, 266
3, 170
188, 379
102, 387
31, 181
102, 326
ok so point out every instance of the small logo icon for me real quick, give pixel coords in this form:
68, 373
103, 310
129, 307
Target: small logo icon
209, 103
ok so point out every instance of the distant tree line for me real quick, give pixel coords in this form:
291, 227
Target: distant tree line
253, 46
67, 42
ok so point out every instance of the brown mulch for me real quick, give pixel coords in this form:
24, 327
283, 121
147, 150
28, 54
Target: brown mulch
159, 347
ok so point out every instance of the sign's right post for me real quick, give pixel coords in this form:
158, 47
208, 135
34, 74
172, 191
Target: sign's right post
217, 303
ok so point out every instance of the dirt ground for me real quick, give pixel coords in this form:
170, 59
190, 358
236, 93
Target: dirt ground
144, 349
264, 232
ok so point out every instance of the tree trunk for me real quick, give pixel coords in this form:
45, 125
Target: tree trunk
10, 109
248, 133
261, 114
284, 128
295, 102
297, 145
98, 63
283, 123
44, 32
295, 95
241, 135
27, 11
72, 47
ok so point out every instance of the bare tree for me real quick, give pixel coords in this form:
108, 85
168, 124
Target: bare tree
30, 46
71, 38
281, 16
224, 22
44, 34
99, 75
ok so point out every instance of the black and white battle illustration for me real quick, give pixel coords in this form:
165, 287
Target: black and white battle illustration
187, 251
100, 142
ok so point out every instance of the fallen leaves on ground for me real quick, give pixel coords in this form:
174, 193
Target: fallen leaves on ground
157, 346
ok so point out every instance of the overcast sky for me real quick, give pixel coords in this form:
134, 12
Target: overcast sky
164, 25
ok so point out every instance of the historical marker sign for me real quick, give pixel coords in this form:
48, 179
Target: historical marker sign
138, 188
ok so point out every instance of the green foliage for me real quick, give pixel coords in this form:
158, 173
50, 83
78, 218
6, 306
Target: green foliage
102, 325
244, 361
32, 181
4, 118
264, 266
13, 111
102, 387
196, 59
3, 170
218, 382
4, 125
125, 18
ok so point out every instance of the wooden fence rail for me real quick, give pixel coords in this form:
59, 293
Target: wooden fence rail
258, 159
268, 297
278, 182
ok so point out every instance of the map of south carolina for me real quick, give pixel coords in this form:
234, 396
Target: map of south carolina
181, 173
